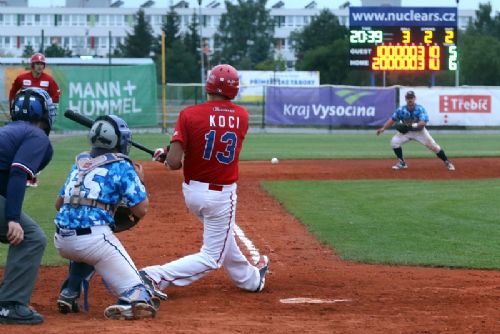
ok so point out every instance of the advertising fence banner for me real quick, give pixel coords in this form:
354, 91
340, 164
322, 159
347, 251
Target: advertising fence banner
328, 105
459, 106
126, 91
252, 82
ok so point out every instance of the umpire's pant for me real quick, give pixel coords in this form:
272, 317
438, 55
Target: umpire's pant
23, 260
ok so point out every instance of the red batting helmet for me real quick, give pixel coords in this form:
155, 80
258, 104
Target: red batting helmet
38, 58
223, 80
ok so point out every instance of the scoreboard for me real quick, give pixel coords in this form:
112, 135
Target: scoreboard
403, 38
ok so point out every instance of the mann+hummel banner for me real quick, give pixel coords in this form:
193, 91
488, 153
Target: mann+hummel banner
329, 105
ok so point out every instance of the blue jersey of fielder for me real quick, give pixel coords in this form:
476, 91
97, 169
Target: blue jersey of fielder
403, 114
113, 183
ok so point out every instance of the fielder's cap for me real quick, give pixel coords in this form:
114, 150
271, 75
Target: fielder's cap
410, 94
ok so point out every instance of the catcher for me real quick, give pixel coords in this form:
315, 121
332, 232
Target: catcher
410, 121
101, 181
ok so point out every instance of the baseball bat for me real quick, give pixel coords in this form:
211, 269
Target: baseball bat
87, 122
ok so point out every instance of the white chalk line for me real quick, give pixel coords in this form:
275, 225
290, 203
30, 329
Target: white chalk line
304, 300
254, 252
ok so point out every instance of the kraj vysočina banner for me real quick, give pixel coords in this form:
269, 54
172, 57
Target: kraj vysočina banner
328, 105
93, 91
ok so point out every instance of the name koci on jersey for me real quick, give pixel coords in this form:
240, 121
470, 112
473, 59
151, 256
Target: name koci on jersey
223, 121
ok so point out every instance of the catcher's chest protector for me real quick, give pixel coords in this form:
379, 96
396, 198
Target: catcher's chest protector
85, 164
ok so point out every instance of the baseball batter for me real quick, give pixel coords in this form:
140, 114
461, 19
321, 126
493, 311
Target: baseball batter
413, 118
210, 136
98, 182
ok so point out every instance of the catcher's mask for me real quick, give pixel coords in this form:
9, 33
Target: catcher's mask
223, 80
110, 132
33, 105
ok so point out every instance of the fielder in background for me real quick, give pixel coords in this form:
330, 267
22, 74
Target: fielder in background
412, 119
209, 136
98, 182
36, 78
25, 149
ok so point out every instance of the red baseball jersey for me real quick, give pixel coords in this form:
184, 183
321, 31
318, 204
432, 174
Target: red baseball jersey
27, 80
212, 135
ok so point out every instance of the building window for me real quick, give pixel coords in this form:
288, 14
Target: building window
279, 43
279, 21
103, 42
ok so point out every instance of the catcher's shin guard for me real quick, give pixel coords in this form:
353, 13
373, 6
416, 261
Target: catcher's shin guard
78, 280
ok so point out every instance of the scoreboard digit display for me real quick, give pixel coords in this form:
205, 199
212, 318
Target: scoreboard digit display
403, 38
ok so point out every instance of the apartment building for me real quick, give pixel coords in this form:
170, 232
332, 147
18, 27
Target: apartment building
93, 27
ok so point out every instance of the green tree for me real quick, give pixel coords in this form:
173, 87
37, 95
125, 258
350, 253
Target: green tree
192, 37
479, 61
323, 30
323, 46
245, 34
28, 51
484, 22
171, 27
55, 50
330, 60
181, 63
140, 43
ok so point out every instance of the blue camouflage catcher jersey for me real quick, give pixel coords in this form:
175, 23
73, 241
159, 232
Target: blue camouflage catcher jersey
111, 183
417, 115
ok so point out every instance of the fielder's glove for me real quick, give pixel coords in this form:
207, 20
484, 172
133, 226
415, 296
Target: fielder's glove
402, 127
124, 219
160, 154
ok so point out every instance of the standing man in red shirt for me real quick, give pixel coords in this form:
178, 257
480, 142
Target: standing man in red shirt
209, 136
36, 78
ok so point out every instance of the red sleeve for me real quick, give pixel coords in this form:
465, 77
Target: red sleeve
180, 129
54, 90
16, 85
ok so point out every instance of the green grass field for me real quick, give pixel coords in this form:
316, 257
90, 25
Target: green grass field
447, 224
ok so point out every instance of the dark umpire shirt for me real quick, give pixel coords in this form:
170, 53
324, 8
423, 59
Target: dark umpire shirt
25, 149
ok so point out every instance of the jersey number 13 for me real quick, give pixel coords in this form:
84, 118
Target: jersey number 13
227, 155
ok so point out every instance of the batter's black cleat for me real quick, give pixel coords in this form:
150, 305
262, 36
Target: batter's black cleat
19, 314
68, 302
152, 286
263, 266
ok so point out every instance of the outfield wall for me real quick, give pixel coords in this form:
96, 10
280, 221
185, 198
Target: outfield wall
132, 92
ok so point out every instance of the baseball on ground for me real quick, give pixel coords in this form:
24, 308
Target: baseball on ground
274, 161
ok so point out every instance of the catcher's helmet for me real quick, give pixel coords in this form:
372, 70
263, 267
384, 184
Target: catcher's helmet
37, 58
410, 94
110, 132
223, 80
33, 105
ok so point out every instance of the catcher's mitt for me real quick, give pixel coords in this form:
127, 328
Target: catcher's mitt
402, 127
124, 219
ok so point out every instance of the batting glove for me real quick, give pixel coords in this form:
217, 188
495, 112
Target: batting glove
160, 154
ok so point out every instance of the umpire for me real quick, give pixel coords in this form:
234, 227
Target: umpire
25, 149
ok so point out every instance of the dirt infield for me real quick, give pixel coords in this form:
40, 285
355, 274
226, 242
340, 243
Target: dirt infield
355, 298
